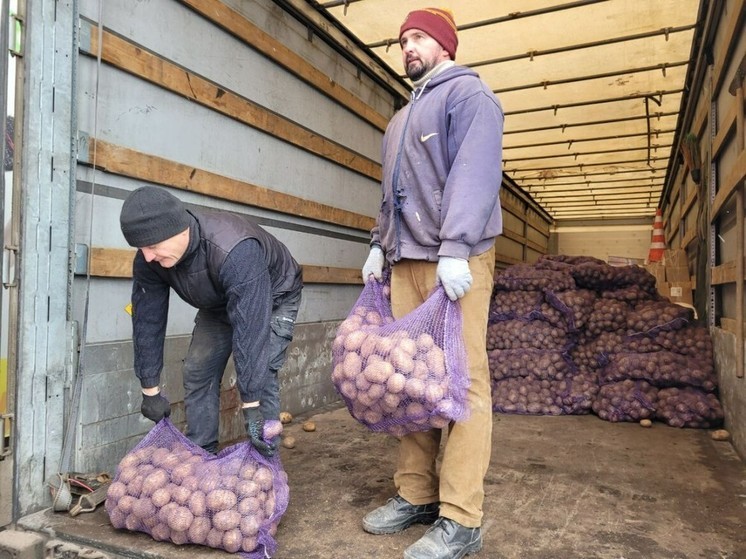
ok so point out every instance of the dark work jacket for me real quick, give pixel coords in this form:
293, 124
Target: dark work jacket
209, 277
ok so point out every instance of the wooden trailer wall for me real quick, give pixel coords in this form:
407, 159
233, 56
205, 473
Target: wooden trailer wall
703, 203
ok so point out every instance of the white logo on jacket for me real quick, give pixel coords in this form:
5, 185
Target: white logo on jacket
424, 138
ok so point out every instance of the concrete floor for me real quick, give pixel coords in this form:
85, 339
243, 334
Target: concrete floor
559, 487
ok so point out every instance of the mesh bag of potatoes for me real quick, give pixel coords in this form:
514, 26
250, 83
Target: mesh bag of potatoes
175, 491
406, 375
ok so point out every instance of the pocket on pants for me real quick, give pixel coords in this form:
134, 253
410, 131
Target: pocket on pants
282, 335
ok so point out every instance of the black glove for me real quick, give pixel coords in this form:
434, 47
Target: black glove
155, 407
254, 422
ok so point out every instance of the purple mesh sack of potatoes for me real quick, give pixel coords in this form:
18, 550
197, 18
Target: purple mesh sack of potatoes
406, 375
662, 369
177, 492
689, 407
529, 395
539, 363
628, 400
526, 334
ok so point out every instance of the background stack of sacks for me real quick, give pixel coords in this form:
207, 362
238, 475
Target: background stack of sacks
632, 353
535, 314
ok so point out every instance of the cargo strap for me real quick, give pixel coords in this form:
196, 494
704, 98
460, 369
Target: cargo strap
90, 488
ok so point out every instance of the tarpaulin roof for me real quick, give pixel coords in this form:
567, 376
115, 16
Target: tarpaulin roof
591, 89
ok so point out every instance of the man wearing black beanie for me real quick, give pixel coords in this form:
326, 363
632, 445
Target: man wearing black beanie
247, 289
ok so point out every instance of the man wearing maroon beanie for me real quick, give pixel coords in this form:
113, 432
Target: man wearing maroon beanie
440, 215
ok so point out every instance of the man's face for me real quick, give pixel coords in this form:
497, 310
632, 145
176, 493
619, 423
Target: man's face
420, 53
167, 253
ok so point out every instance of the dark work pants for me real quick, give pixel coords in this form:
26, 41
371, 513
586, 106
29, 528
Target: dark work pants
204, 366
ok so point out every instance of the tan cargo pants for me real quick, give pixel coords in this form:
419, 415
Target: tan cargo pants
459, 486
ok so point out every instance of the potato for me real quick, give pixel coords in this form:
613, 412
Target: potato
720, 435
414, 388
247, 471
368, 347
372, 417
197, 503
348, 389
232, 540
221, 499
249, 506
181, 472
352, 364
390, 402
161, 532
288, 441
131, 460
116, 517
179, 538
308, 426
156, 479
143, 508
436, 362
646, 423
126, 475
116, 490
434, 393
191, 483
385, 345
180, 519
132, 523
408, 346
285, 417
272, 428
226, 519
209, 481
396, 383
166, 511
354, 340
421, 371
401, 360
249, 544
197, 532
125, 503
424, 342
246, 488
378, 372
264, 478
375, 392
158, 455
180, 494
214, 538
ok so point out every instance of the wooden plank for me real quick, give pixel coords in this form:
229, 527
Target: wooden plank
137, 61
117, 263
235, 23
128, 162
689, 238
731, 33
725, 273
728, 324
728, 186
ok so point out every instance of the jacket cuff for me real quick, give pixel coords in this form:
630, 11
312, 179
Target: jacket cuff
454, 249
150, 382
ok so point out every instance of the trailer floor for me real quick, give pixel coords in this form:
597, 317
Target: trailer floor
558, 487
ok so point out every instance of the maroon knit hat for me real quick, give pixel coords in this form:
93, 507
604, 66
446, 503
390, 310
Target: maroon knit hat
436, 22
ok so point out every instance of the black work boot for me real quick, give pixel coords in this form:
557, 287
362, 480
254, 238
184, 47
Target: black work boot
446, 539
398, 514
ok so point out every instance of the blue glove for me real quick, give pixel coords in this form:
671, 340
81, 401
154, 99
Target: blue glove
254, 421
155, 407
455, 276
374, 264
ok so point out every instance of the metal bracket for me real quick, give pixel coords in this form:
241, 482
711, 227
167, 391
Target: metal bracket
10, 265
6, 424
81, 259
15, 46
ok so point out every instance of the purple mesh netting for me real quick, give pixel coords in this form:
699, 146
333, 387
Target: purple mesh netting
608, 315
507, 305
661, 369
406, 375
628, 400
651, 317
538, 363
575, 305
175, 491
693, 341
526, 334
529, 278
689, 407
604, 277
533, 396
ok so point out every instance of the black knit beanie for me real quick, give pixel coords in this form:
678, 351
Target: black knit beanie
151, 215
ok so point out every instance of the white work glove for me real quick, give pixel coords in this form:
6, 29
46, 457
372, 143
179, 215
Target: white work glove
374, 264
455, 276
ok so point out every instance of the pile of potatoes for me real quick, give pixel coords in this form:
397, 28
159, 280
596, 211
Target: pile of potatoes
392, 379
530, 395
662, 369
525, 334
601, 277
628, 400
530, 278
608, 315
180, 494
689, 407
541, 364
652, 316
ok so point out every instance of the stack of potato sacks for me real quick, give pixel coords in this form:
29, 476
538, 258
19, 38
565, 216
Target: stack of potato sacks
630, 353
